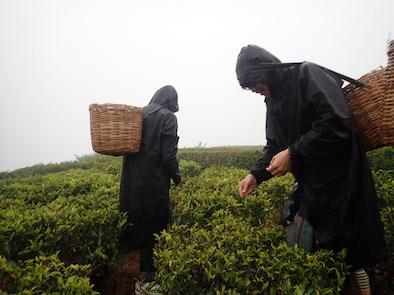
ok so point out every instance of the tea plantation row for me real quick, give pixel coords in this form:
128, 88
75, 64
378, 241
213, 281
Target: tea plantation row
60, 221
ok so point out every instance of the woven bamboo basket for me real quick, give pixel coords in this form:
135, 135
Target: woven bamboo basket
115, 129
373, 105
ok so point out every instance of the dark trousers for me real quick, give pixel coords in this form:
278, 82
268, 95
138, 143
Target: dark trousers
146, 260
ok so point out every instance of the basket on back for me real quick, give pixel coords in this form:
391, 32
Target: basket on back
373, 105
115, 129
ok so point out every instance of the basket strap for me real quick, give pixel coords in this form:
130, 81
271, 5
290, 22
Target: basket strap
346, 78
272, 66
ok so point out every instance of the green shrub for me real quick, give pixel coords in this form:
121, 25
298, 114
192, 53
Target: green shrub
83, 230
218, 243
217, 180
229, 256
44, 189
231, 156
239, 157
278, 189
382, 159
384, 184
387, 215
189, 168
217, 188
197, 209
101, 163
45, 275
75, 213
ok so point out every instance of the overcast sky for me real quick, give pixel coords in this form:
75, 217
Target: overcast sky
57, 57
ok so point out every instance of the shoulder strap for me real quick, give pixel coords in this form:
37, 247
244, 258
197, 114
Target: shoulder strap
272, 66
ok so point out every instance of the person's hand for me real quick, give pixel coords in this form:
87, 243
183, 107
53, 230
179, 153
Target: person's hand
247, 185
280, 163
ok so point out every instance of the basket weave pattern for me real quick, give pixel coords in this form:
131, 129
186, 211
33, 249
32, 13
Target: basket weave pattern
373, 105
115, 129
388, 118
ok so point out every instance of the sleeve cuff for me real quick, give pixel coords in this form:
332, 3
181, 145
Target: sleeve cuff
292, 151
260, 175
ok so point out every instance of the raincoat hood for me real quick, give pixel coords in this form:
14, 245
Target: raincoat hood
249, 66
166, 97
255, 64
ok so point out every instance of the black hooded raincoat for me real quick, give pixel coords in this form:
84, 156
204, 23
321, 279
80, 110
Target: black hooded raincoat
307, 113
145, 180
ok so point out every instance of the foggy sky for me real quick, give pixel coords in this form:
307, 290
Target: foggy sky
57, 57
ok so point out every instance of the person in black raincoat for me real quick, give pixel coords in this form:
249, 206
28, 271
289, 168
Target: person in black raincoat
146, 176
310, 132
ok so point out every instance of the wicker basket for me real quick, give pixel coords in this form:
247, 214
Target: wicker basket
115, 129
373, 105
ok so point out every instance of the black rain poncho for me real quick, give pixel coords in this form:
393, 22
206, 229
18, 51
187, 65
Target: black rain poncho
145, 180
307, 113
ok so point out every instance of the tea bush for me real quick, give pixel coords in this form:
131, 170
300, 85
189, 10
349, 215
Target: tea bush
229, 256
44, 275
382, 159
239, 157
80, 234
74, 213
384, 184
189, 168
198, 209
387, 215
217, 188
35, 190
220, 243
222, 180
231, 156
100, 163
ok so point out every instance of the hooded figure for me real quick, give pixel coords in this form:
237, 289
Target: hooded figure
146, 175
309, 127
